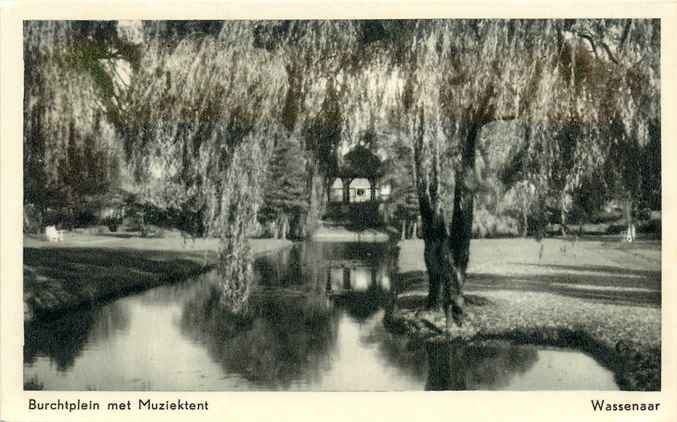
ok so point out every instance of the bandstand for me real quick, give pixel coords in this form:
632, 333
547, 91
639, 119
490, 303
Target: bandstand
357, 179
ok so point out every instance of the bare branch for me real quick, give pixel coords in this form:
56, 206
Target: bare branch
626, 32
435, 168
421, 181
589, 38
608, 52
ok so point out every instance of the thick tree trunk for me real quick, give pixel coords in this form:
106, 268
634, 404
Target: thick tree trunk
447, 254
447, 246
461, 227
302, 226
461, 233
438, 261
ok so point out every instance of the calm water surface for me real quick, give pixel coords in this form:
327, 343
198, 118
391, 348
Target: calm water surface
315, 323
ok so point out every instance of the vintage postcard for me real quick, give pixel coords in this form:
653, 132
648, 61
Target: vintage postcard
411, 212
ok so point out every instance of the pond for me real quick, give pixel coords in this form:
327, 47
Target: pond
314, 323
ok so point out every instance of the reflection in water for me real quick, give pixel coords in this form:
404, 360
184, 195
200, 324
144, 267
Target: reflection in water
64, 339
281, 339
313, 321
458, 367
234, 268
503, 366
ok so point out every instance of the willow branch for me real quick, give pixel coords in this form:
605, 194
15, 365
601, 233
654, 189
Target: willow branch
421, 182
626, 32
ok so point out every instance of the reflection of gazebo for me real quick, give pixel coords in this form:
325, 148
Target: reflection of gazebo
346, 275
357, 178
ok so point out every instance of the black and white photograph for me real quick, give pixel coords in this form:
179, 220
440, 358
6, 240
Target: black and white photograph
295, 211
342, 205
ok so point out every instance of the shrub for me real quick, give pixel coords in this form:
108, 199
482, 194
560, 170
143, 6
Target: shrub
152, 232
486, 224
32, 221
650, 226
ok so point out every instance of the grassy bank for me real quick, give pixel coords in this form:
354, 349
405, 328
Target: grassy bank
343, 234
85, 268
596, 295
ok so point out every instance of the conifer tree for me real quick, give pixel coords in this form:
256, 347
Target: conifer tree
285, 197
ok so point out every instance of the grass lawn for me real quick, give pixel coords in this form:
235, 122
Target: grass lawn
85, 267
601, 295
342, 234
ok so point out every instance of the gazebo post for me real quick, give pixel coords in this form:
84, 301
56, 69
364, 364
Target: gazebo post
346, 189
346, 278
329, 184
372, 188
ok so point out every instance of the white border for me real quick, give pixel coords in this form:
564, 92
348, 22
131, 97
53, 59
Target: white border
429, 406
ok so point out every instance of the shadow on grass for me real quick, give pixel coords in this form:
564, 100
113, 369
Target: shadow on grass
636, 367
643, 278
650, 244
119, 235
600, 283
56, 279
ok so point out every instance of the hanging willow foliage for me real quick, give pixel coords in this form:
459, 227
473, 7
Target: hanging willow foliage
202, 108
69, 143
200, 122
458, 76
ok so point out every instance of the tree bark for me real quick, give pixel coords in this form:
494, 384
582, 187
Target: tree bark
447, 247
274, 229
302, 226
461, 226
284, 226
317, 197
627, 205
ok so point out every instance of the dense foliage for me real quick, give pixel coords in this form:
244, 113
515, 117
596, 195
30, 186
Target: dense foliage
285, 200
197, 108
70, 145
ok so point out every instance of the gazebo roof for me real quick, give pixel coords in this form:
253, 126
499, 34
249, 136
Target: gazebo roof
360, 162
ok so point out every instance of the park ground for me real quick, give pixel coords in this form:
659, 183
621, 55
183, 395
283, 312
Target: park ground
332, 233
599, 294
92, 264
87, 267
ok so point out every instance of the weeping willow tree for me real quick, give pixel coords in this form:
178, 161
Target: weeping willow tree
549, 74
315, 54
612, 70
437, 84
199, 125
453, 78
203, 105
70, 143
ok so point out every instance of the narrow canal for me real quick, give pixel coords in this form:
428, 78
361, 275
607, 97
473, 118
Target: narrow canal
315, 323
